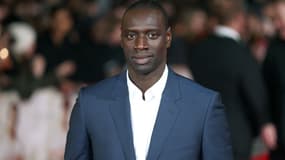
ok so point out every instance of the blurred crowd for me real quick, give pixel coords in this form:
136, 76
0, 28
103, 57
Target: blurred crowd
54, 47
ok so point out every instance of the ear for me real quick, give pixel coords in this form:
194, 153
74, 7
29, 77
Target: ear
168, 37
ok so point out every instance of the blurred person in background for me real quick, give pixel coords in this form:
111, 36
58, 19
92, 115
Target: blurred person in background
59, 47
260, 29
116, 60
27, 67
101, 50
93, 50
191, 24
57, 44
9, 146
30, 69
223, 63
268, 12
189, 29
257, 41
274, 73
36, 101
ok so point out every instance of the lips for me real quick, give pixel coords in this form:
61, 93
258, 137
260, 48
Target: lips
142, 59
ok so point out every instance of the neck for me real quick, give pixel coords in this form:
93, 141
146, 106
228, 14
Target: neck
237, 23
235, 27
145, 81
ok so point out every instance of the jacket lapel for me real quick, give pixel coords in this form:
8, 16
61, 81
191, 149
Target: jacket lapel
166, 117
120, 111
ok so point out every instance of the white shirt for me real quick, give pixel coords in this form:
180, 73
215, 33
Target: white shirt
228, 32
144, 112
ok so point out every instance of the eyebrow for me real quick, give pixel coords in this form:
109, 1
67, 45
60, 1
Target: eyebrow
138, 30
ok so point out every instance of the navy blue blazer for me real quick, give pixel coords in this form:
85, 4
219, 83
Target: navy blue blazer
190, 125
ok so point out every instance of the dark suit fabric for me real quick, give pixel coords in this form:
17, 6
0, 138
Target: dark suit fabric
190, 123
274, 73
225, 65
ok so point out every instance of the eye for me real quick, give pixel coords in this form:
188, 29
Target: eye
131, 36
152, 35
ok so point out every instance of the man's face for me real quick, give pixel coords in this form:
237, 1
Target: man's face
145, 40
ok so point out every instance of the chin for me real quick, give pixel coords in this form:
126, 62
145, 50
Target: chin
143, 69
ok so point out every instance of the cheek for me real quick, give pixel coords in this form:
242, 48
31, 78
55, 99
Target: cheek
162, 46
159, 44
161, 51
127, 46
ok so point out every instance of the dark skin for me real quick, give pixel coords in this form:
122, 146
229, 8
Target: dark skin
145, 40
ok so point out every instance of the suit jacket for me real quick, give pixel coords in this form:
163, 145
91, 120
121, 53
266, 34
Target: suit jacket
190, 124
225, 65
274, 73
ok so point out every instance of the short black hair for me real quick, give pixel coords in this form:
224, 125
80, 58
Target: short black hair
149, 4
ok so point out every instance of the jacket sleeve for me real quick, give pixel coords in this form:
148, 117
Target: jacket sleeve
216, 140
77, 143
254, 93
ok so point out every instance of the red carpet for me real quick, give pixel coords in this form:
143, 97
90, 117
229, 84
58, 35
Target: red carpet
263, 156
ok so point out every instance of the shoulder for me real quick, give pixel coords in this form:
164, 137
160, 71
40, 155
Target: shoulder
195, 98
216, 46
102, 88
214, 39
189, 87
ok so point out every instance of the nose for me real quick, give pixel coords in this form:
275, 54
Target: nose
141, 43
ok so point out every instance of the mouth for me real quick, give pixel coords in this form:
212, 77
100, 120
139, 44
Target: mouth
142, 59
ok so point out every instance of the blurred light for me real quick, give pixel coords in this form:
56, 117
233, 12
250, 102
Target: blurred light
4, 53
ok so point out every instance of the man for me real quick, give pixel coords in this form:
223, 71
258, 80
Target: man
223, 63
274, 73
147, 112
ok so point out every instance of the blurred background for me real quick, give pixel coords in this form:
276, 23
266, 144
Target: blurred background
52, 48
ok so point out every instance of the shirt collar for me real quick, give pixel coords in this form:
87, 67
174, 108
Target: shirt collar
228, 32
153, 92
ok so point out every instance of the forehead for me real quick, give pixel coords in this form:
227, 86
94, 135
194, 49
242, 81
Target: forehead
142, 17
